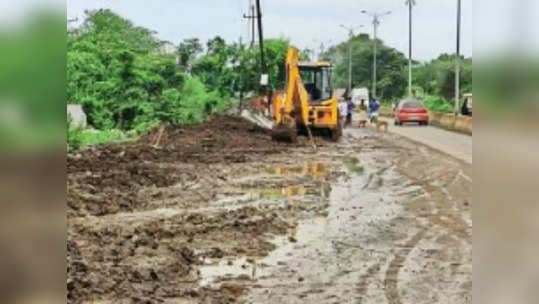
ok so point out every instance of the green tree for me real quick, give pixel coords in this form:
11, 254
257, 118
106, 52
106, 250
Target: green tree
118, 73
187, 51
391, 80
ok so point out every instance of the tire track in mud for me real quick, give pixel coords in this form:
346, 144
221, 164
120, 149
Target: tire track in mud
445, 218
392, 272
440, 215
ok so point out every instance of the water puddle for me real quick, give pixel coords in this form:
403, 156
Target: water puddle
292, 191
308, 234
313, 169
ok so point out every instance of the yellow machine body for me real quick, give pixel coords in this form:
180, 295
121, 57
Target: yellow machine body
306, 102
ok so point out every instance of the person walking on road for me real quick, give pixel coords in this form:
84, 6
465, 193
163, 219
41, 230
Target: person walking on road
349, 107
374, 106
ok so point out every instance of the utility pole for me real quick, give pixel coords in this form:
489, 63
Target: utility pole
261, 37
375, 23
410, 4
322, 47
457, 62
252, 18
265, 77
240, 80
350, 36
253, 25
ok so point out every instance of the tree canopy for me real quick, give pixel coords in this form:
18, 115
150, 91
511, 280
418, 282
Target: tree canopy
118, 73
391, 79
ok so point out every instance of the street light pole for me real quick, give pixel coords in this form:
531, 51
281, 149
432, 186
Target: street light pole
410, 4
350, 36
457, 61
322, 47
375, 23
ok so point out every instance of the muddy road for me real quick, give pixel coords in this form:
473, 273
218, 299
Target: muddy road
220, 214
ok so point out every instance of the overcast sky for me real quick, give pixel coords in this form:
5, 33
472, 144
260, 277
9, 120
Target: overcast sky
303, 21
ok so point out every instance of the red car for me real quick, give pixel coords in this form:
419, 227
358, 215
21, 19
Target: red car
410, 110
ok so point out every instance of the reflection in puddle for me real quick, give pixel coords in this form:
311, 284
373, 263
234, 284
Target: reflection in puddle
314, 169
309, 234
291, 191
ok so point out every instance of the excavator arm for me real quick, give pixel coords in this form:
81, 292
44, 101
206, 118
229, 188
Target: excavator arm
291, 107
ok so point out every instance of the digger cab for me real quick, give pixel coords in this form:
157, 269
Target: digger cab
317, 81
316, 77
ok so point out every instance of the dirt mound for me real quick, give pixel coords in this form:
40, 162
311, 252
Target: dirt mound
124, 244
152, 261
106, 179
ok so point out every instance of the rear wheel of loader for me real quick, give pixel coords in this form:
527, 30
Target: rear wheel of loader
335, 134
284, 134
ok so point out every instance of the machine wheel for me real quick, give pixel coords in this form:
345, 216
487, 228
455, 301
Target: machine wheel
335, 134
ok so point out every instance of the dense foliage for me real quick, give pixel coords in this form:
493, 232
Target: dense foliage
437, 77
392, 79
125, 79
118, 72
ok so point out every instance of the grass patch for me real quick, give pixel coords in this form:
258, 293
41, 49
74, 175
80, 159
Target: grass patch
78, 138
353, 164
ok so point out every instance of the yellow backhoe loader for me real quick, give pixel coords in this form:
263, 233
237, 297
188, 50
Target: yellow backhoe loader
307, 102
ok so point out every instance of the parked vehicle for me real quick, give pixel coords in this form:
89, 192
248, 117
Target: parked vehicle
360, 97
411, 110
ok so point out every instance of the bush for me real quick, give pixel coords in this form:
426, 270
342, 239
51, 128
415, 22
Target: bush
437, 104
74, 139
117, 72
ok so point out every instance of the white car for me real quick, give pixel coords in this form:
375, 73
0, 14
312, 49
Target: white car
360, 96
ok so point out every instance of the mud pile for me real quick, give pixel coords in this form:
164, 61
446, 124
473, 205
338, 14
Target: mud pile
106, 179
140, 219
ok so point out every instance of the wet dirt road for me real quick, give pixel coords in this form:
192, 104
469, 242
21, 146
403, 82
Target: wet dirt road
375, 218
398, 232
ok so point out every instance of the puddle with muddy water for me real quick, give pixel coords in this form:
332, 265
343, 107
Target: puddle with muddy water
313, 169
310, 193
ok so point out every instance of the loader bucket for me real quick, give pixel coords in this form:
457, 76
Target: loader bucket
284, 134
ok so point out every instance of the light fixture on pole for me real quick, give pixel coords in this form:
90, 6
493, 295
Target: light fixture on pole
375, 22
410, 4
322, 47
350, 30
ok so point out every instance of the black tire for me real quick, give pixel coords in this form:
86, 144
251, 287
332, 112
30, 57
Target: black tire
335, 134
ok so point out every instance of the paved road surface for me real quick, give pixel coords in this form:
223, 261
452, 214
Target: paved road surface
455, 144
